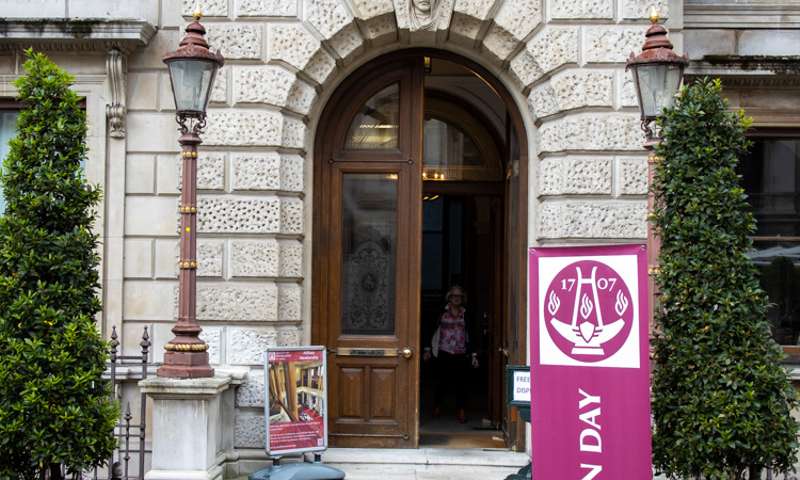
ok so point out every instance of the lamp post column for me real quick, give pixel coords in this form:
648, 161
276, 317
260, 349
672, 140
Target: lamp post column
192, 70
186, 355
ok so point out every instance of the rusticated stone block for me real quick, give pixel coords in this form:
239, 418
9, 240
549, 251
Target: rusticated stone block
255, 258
290, 336
628, 96
252, 393
347, 42
466, 28
267, 8
500, 43
632, 176
256, 171
235, 40
219, 92
237, 303
233, 127
213, 338
290, 302
593, 219
611, 44
478, 9
209, 257
246, 345
209, 8
291, 257
239, 215
291, 215
519, 17
591, 132
574, 89
574, 175
210, 171
263, 84
320, 67
581, 9
301, 97
292, 167
542, 101
549, 49
294, 132
641, 8
249, 431
381, 29
367, 9
327, 16
293, 44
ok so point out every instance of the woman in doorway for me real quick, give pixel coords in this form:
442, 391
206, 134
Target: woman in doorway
450, 345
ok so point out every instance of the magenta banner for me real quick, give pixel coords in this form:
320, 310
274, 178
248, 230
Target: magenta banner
590, 400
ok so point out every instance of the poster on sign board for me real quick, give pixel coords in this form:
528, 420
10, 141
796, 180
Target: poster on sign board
296, 400
590, 409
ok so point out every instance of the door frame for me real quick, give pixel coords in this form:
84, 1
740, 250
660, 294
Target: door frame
321, 232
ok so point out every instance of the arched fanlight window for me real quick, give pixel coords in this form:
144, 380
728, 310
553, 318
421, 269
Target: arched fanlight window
457, 144
377, 123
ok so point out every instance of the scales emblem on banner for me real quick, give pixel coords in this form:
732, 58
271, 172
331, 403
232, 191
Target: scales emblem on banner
589, 312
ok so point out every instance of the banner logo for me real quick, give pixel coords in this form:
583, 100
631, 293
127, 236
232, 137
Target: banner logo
588, 312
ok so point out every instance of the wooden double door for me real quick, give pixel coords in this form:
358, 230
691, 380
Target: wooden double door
367, 244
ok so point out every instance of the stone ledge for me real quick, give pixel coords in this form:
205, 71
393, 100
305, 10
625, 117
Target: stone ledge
174, 388
75, 34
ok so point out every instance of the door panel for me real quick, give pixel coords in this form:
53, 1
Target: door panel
367, 278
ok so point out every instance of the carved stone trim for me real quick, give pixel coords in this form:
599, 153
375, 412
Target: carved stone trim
749, 71
70, 34
743, 14
116, 110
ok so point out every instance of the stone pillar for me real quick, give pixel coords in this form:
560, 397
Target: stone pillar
191, 425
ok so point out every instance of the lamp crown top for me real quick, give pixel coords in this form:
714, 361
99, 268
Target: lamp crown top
194, 45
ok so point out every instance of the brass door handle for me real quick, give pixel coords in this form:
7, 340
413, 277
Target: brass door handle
407, 352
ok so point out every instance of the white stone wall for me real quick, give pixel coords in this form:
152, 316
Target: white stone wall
283, 59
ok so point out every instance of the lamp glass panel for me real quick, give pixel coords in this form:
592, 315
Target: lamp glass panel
658, 84
191, 83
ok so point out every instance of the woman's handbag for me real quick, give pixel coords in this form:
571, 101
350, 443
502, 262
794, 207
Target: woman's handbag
435, 343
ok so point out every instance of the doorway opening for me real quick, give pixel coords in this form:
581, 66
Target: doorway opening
419, 184
462, 245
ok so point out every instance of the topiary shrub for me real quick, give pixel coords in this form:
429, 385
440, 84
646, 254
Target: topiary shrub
722, 400
55, 410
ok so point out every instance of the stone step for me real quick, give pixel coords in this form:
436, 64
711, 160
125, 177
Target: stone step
425, 463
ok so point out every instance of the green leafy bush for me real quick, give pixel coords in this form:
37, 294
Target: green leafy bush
54, 407
722, 400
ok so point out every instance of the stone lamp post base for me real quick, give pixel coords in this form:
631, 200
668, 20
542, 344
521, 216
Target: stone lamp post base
192, 425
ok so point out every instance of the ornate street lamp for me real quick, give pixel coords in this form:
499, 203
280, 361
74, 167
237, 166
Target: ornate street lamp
657, 74
192, 69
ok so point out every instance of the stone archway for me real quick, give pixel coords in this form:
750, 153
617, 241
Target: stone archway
587, 177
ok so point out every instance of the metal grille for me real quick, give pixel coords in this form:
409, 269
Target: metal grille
120, 461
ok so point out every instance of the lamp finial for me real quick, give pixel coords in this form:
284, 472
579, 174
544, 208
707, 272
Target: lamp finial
198, 13
654, 16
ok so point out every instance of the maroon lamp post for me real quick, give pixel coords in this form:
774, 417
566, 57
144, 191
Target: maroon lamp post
192, 69
657, 74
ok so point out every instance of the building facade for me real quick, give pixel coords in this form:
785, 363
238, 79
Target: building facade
361, 156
